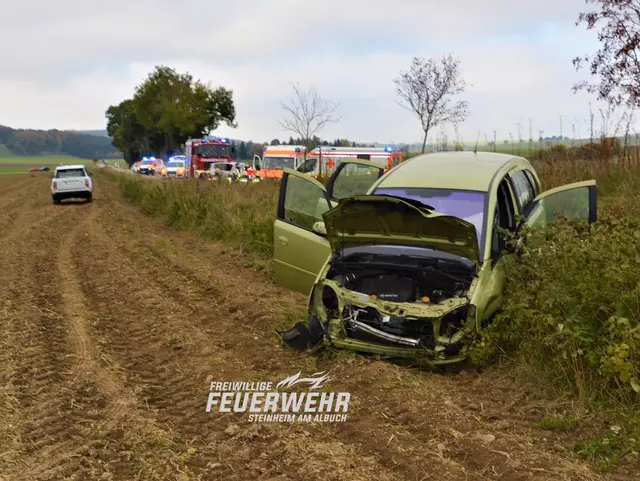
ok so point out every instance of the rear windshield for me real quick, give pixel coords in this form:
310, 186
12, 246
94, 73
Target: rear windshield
60, 174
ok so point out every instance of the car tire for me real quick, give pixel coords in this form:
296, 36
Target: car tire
54, 200
90, 198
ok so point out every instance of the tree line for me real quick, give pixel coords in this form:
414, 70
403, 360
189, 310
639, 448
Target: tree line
27, 142
167, 109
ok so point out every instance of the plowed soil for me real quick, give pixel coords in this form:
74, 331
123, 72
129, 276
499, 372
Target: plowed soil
112, 326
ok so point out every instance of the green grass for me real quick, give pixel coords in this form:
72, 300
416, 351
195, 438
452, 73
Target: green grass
17, 164
43, 160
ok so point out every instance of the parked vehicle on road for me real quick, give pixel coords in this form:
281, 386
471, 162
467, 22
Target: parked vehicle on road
201, 154
151, 166
175, 167
275, 158
71, 182
399, 264
325, 160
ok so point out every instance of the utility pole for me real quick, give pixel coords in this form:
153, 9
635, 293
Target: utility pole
530, 137
519, 134
540, 132
579, 130
561, 116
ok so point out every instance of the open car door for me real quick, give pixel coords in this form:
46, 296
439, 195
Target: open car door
300, 245
573, 201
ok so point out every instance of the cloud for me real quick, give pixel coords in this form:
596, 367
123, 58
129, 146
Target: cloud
76, 58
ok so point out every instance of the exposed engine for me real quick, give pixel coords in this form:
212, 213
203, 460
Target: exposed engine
401, 285
414, 282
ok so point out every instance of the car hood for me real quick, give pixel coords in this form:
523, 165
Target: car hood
381, 219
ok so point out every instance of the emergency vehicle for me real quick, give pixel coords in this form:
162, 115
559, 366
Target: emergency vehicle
324, 160
276, 157
201, 153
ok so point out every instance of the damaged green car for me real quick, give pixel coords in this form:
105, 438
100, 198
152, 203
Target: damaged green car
398, 264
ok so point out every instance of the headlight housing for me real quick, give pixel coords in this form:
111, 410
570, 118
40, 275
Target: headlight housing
452, 323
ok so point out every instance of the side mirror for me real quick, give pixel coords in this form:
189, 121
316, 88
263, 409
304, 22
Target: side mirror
52, 176
319, 228
90, 174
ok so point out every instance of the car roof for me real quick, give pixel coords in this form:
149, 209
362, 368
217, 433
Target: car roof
449, 170
73, 166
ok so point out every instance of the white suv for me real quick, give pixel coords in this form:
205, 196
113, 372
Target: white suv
71, 181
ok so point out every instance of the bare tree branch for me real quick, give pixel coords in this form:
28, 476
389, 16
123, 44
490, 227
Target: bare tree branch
617, 62
307, 113
427, 90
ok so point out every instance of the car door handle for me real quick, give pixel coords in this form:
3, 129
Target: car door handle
283, 240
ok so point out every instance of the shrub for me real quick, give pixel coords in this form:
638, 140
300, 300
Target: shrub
241, 215
572, 309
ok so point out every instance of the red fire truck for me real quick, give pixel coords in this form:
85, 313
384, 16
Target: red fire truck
202, 153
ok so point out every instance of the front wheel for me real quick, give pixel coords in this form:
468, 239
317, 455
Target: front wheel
90, 198
54, 200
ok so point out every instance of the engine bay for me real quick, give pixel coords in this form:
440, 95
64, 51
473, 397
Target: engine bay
400, 283
397, 281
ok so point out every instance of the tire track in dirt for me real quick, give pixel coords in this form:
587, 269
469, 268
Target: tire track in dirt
175, 382
64, 410
35, 352
135, 313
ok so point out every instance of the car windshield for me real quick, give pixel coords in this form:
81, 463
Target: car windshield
147, 162
64, 173
467, 205
277, 162
175, 163
212, 151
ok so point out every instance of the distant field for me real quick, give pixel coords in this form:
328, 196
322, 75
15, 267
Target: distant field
4, 152
17, 164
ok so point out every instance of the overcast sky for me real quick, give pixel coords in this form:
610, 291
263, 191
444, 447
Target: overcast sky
63, 63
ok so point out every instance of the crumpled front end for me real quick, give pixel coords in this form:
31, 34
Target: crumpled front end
405, 319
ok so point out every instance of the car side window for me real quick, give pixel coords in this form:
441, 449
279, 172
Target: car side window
524, 191
532, 181
304, 202
354, 179
504, 218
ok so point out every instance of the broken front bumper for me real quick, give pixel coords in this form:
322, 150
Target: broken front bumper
343, 332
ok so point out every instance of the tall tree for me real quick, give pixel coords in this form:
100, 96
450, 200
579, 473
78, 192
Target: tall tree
617, 62
175, 106
307, 113
129, 136
427, 89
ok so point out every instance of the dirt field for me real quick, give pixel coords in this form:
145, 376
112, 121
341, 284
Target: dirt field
112, 327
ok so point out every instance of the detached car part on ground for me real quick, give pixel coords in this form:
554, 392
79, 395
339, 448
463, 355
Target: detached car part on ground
403, 265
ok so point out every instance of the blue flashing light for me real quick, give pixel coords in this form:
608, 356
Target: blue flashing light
264, 149
224, 141
388, 148
297, 149
145, 158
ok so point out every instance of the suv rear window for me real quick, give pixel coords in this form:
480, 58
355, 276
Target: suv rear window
60, 174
